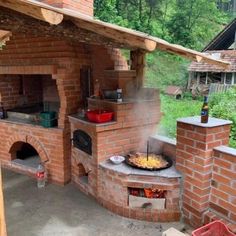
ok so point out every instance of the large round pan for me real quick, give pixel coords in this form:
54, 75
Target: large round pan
166, 158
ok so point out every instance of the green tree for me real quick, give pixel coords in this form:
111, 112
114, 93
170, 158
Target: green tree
195, 22
191, 23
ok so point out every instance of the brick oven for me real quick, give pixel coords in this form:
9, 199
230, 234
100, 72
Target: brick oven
113, 185
65, 68
41, 72
45, 77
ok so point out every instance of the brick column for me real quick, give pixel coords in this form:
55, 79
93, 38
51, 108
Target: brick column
195, 143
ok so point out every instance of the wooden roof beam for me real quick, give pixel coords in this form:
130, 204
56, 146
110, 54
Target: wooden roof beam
189, 53
34, 11
120, 36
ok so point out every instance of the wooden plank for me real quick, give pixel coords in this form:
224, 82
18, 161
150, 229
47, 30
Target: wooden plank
121, 36
219, 88
3, 231
141, 202
138, 64
35, 11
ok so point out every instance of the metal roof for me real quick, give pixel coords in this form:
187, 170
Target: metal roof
224, 39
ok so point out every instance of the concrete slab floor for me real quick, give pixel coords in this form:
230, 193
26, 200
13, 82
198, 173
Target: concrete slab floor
64, 211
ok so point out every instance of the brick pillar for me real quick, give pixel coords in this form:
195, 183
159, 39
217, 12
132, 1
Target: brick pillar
195, 143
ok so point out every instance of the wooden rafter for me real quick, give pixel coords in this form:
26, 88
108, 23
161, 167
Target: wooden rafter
116, 34
19, 23
188, 53
32, 10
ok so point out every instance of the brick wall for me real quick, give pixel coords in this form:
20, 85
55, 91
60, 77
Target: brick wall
223, 184
60, 60
16, 90
195, 159
82, 6
47, 142
113, 194
50, 92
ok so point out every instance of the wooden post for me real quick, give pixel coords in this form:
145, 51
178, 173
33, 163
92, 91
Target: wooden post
198, 78
138, 64
190, 79
233, 79
2, 215
224, 78
206, 78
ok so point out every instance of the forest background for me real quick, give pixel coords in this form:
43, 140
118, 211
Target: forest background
190, 23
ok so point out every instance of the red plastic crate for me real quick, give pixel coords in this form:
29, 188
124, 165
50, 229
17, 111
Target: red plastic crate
215, 228
99, 116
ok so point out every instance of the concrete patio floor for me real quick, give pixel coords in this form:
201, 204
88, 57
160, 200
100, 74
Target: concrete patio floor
64, 211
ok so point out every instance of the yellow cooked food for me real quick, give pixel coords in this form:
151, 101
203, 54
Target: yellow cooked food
154, 161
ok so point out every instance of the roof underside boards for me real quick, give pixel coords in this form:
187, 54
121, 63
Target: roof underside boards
226, 55
131, 39
224, 39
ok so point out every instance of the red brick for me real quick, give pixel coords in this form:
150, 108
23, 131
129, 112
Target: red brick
219, 209
222, 163
221, 179
227, 189
228, 173
219, 194
185, 141
212, 145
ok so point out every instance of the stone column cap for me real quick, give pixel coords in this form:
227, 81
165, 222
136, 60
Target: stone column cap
212, 122
226, 149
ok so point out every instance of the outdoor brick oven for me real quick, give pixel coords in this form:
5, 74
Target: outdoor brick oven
59, 68
135, 120
38, 73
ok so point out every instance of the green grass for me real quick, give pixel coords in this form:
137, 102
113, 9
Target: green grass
173, 109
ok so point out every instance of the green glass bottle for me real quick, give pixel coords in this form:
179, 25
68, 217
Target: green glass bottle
205, 111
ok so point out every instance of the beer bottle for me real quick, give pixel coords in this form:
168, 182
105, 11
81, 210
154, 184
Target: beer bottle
205, 111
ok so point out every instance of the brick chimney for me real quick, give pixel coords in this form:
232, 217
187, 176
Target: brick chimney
82, 6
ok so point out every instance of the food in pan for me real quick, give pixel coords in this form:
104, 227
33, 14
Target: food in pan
153, 161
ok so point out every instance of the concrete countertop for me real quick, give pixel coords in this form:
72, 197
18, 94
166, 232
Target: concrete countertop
212, 122
83, 120
123, 168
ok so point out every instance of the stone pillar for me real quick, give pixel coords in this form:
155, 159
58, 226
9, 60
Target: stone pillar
195, 143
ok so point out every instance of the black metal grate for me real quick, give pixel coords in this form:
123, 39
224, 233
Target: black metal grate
82, 141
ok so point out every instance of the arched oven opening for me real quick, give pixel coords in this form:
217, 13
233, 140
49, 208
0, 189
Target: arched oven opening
24, 154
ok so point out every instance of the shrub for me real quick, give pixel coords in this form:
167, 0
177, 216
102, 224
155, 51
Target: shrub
223, 105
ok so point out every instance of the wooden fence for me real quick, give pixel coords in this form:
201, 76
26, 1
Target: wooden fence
219, 88
2, 215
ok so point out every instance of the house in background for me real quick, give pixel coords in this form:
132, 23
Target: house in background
223, 46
